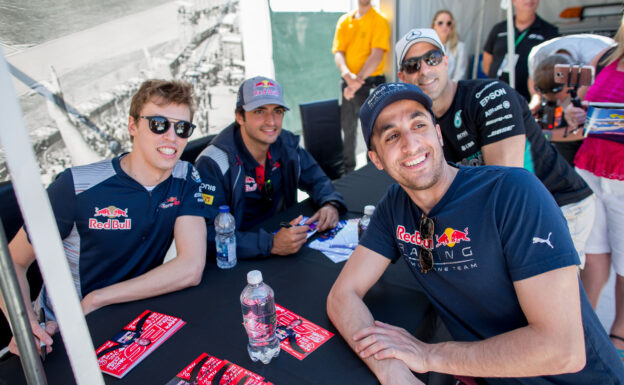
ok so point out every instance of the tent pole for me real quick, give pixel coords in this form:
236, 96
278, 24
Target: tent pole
16, 311
511, 47
475, 61
44, 235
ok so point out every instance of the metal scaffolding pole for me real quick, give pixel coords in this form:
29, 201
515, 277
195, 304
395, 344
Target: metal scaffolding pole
44, 235
20, 324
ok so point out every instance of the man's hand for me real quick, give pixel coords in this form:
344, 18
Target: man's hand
353, 81
575, 115
40, 335
384, 341
289, 240
327, 217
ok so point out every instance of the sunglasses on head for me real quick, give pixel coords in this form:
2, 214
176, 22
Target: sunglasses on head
448, 23
159, 125
425, 255
412, 65
553, 90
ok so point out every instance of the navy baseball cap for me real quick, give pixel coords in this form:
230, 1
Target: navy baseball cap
259, 91
384, 95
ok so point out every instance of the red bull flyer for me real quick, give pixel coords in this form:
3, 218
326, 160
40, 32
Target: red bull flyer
210, 370
136, 341
298, 336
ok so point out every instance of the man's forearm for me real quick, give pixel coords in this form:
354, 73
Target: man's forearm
176, 274
371, 63
349, 314
519, 353
341, 63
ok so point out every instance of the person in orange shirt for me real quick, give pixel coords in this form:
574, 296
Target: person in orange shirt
361, 41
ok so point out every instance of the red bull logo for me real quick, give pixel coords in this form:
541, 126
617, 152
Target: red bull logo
111, 212
112, 223
264, 83
451, 236
414, 238
265, 87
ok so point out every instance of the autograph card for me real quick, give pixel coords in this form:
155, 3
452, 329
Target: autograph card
136, 341
298, 336
210, 370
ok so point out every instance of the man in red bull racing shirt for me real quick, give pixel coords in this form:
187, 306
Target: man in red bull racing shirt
489, 248
487, 122
117, 217
255, 167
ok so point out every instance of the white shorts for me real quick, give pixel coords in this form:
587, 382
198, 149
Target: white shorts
580, 218
607, 234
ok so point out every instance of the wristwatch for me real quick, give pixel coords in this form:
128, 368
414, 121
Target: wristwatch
127, 337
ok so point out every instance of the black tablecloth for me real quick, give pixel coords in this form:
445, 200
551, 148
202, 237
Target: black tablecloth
214, 323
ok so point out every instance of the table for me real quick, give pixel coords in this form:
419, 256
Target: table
214, 323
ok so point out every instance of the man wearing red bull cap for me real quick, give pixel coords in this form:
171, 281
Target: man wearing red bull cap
489, 248
255, 167
117, 217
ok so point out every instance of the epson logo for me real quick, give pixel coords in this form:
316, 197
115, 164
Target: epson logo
492, 95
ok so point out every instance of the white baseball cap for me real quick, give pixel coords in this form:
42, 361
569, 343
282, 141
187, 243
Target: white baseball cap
416, 35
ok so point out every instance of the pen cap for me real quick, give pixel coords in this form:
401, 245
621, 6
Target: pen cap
369, 210
254, 277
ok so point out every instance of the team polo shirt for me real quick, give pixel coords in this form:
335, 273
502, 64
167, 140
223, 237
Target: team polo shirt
486, 111
493, 226
260, 202
114, 229
357, 38
496, 45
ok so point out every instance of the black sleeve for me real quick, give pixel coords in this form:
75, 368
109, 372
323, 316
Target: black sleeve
497, 112
489, 43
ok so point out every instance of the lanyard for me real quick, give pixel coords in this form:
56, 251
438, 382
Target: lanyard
519, 38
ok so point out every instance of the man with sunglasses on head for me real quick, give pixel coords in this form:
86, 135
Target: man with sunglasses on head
486, 122
488, 247
117, 217
255, 167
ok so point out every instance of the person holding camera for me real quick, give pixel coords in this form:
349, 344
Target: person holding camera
553, 97
600, 161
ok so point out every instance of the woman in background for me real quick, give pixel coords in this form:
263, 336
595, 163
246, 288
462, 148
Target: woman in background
600, 161
444, 24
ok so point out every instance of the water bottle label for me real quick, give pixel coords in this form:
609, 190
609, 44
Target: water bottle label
226, 252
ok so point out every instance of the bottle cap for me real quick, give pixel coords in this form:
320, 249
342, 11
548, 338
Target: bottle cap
254, 277
224, 209
369, 210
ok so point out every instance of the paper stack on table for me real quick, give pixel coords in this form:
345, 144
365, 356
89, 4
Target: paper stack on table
338, 244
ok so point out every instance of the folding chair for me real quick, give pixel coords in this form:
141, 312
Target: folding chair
322, 135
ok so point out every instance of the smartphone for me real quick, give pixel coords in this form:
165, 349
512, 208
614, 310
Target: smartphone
574, 75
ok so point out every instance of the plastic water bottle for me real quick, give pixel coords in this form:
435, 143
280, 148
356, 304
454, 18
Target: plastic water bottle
363, 225
226, 238
259, 318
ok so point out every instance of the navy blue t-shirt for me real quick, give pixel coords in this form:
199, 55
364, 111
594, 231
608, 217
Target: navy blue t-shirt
494, 226
112, 227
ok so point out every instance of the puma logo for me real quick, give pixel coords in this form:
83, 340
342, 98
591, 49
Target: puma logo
546, 241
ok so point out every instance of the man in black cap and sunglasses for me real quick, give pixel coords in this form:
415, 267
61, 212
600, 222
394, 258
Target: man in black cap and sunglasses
486, 122
255, 167
117, 217
490, 249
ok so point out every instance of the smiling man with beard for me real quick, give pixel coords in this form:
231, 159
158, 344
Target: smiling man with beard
255, 167
490, 250
486, 122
